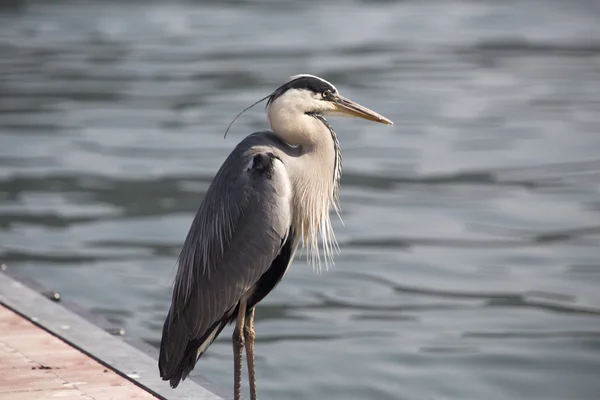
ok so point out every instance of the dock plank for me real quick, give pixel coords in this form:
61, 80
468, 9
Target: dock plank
39, 333
36, 364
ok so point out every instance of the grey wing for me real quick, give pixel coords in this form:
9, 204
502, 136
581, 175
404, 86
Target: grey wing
236, 234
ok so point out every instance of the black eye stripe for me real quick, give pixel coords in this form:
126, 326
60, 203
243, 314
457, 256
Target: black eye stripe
309, 83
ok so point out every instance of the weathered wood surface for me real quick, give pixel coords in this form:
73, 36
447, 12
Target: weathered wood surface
37, 365
36, 333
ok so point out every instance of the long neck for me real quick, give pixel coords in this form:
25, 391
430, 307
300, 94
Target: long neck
315, 176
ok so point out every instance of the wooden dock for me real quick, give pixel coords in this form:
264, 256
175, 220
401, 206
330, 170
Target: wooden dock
37, 365
51, 351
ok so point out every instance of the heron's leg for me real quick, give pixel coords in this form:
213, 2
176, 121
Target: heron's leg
238, 346
249, 340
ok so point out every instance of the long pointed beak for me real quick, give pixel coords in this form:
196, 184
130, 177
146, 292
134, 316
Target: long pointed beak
350, 108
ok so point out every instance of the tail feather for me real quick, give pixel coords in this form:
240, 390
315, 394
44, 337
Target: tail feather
179, 353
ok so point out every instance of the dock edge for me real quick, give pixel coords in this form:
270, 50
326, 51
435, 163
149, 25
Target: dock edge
94, 336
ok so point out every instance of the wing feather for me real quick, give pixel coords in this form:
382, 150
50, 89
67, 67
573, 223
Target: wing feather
236, 234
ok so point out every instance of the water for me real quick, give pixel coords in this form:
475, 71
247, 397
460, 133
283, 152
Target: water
470, 265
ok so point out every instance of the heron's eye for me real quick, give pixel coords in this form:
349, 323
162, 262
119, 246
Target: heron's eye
324, 94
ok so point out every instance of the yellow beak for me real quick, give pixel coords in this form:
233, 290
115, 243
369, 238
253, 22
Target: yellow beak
350, 108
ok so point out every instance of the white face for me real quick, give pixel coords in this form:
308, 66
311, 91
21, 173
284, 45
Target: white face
302, 101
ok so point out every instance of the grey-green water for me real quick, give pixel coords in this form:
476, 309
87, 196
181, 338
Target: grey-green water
470, 260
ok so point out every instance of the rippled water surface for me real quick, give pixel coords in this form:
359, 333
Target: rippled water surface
470, 261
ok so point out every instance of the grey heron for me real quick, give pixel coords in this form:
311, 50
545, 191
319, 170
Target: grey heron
274, 190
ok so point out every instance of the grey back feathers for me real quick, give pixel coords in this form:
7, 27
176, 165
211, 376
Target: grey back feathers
238, 231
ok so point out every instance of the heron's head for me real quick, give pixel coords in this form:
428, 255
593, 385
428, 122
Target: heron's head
309, 94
